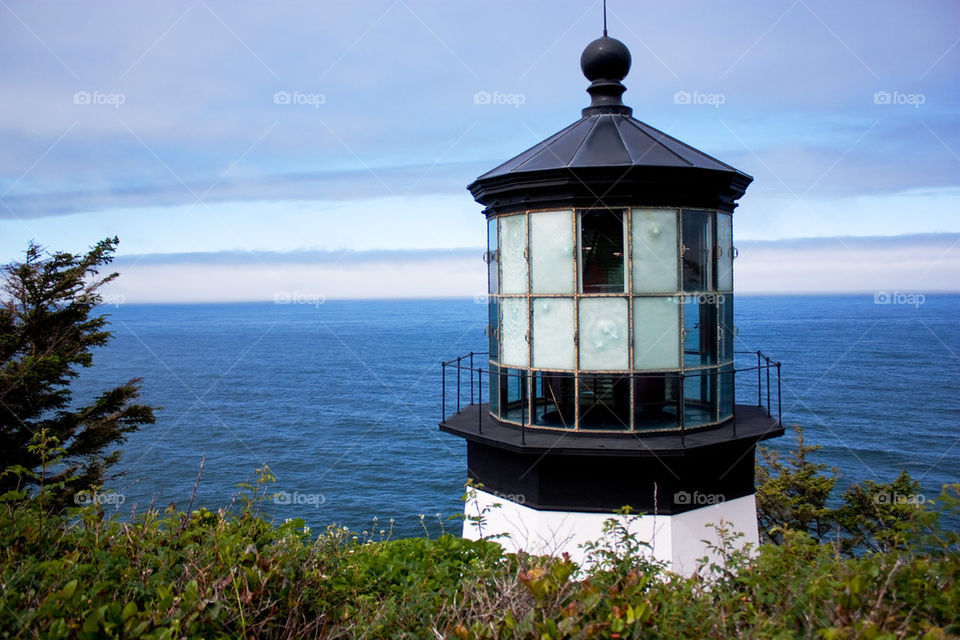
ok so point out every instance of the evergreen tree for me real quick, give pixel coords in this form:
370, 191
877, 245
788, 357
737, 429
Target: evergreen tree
792, 493
48, 330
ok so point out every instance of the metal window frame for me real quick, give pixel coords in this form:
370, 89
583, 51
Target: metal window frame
631, 373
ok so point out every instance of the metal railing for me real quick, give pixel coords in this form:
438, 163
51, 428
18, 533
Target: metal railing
468, 389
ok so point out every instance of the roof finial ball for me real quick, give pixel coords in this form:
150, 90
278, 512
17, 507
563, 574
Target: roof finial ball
605, 62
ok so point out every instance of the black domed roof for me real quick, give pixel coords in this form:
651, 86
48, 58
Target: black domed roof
609, 158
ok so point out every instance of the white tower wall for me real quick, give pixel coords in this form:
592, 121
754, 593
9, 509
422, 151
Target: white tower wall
679, 540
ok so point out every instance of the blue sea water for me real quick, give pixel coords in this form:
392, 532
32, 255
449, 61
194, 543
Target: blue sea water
342, 399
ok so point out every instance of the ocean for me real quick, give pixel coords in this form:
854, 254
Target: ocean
342, 399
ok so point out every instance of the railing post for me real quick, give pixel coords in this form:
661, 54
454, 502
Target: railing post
779, 403
459, 360
443, 391
768, 386
480, 401
471, 377
759, 383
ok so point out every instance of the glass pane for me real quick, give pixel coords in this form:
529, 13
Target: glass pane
656, 333
603, 334
697, 251
513, 332
699, 329
553, 400
724, 252
551, 252
513, 262
725, 381
493, 329
513, 395
655, 401
655, 248
494, 390
553, 333
494, 263
725, 302
604, 402
601, 252
699, 397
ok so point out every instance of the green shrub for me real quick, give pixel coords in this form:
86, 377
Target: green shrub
232, 574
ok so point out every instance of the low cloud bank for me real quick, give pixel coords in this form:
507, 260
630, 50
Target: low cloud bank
914, 263
919, 263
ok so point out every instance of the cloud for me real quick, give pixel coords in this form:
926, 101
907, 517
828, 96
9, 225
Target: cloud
919, 263
198, 83
313, 257
341, 185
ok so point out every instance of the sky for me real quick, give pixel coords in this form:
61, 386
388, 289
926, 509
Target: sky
251, 151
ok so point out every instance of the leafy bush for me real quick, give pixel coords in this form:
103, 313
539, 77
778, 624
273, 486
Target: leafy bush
232, 574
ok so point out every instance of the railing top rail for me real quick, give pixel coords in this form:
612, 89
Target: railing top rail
711, 369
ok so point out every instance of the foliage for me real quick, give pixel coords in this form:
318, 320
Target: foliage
232, 574
792, 494
882, 517
888, 571
47, 333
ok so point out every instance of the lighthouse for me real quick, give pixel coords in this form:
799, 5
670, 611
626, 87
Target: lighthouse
611, 377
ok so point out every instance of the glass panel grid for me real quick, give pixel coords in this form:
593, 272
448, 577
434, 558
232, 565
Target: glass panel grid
552, 267
655, 250
493, 261
614, 331
656, 333
514, 348
697, 239
602, 263
513, 254
724, 252
553, 333
603, 335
